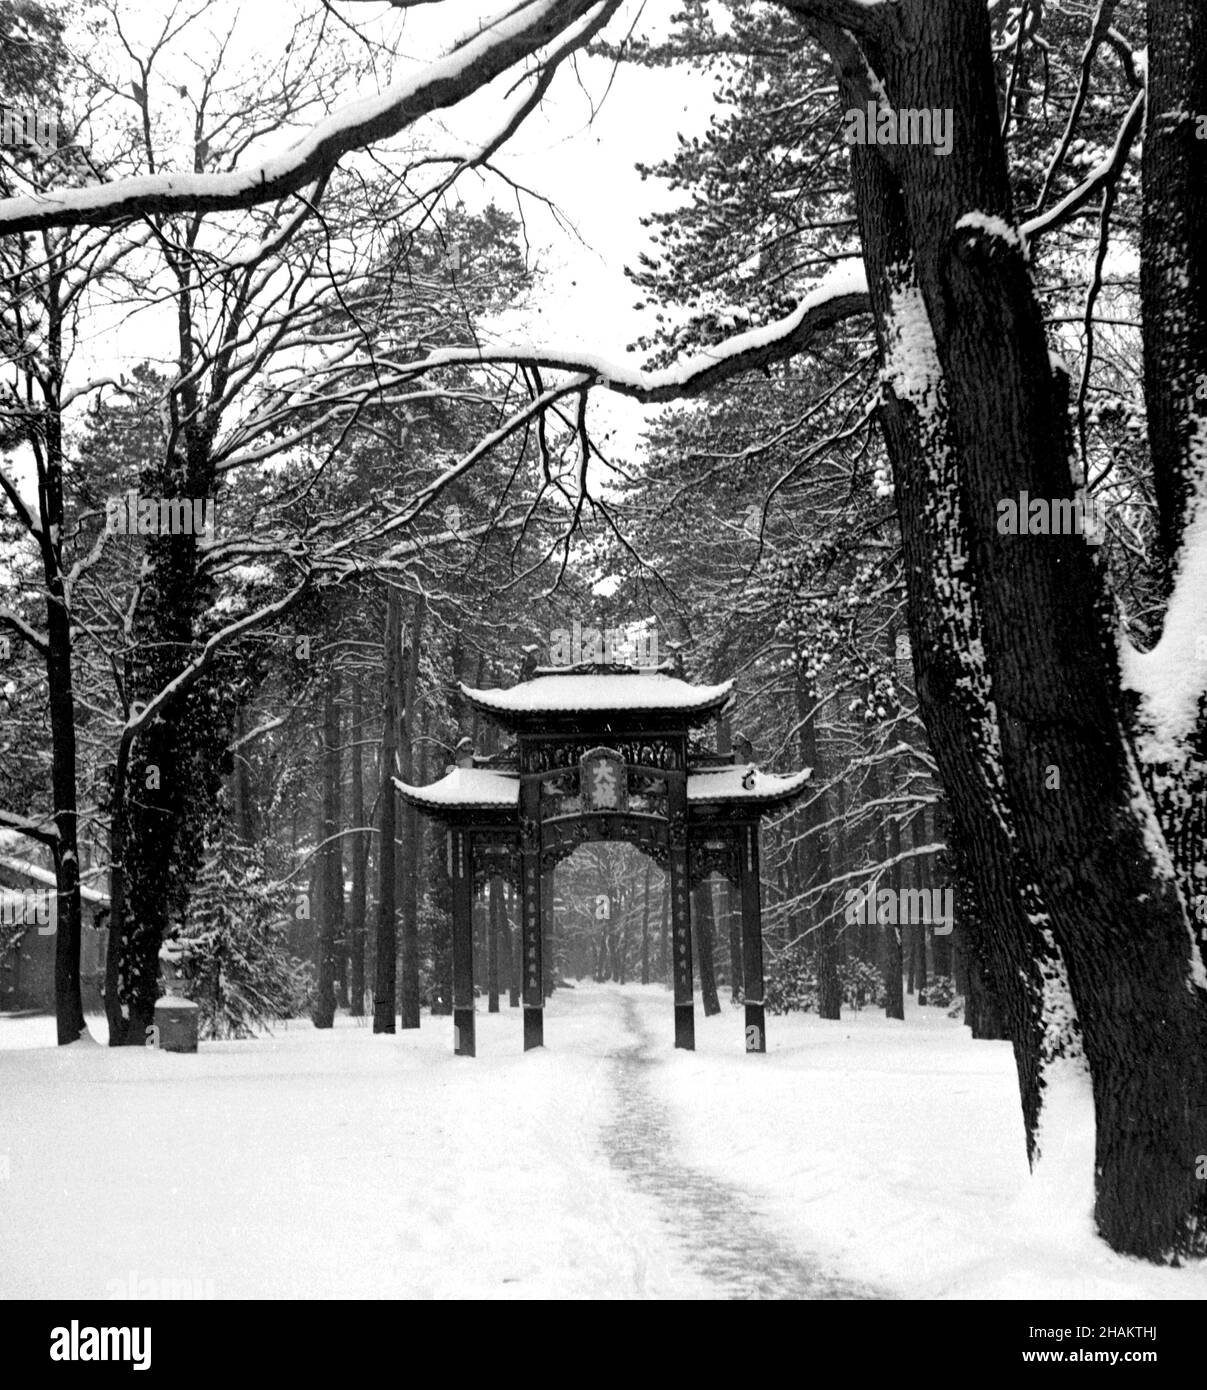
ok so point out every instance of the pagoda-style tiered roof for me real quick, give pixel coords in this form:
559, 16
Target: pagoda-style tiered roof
592, 701
559, 693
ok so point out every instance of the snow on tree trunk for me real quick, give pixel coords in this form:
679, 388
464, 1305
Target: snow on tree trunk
1104, 894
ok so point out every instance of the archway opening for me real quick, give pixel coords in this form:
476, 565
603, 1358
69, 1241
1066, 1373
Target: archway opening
611, 916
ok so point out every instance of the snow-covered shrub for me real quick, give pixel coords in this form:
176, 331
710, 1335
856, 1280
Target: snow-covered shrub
236, 948
434, 934
861, 983
10, 936
941, 991
789, 982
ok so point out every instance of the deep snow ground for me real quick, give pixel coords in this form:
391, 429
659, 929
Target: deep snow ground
856, 1159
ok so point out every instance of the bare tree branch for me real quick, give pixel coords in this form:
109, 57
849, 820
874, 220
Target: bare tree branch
509, 40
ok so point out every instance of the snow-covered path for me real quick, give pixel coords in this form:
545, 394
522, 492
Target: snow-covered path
860, 1158
345, 1165
725, 1236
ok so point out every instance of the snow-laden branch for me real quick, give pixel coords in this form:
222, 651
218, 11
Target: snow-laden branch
253, 256
842, 294
143, 715
1098, 30
521, 33
39, 641
28, 520
538, 81
1106, 172
69, 397
45, 832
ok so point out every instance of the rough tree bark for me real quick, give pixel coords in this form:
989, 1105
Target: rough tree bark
69, 1010
1120, 951
890, 935
408, 1003
702, 926
645, 923
386, 962
330, 900
493, 928
360, 858
813, 850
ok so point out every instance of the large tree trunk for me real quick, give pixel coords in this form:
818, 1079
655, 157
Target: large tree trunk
1173, 268
330, 897
814, 850
890, 934
386, 981
645, 924
944, 630
69, 1009
409, 897
1173, 296
918, 880
702, 916
442, 894
514, 970
1118, 941
360, 859
493, 929
45, 439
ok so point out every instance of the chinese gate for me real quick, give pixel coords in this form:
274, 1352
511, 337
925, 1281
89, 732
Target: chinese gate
603, 753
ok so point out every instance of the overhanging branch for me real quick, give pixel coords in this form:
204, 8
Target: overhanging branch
522, 34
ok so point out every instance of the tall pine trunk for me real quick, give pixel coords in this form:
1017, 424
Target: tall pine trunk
360, 857
409, 897
69, 1010
814, 850
890, 933
645, 924
386, 962
493, 930
330, 894
988, 413
702, 925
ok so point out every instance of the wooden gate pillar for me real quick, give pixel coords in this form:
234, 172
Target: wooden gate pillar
461, 871
547, 934
752, 938
532, 945
681, 920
